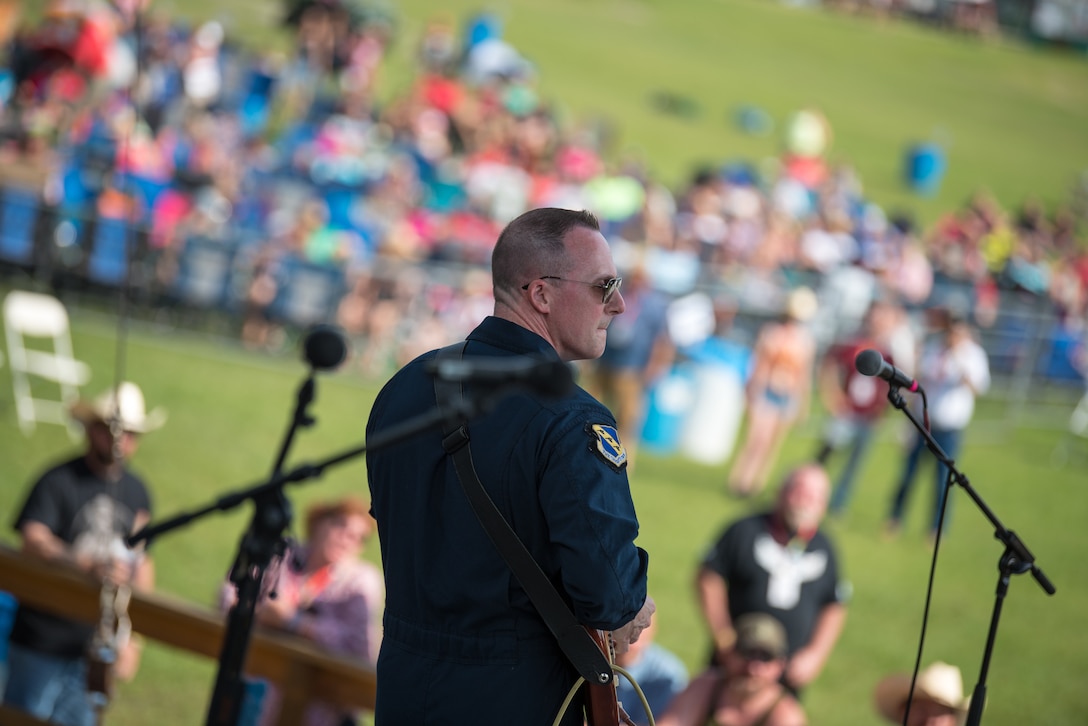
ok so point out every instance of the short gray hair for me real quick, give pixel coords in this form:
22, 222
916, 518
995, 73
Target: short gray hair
532, 245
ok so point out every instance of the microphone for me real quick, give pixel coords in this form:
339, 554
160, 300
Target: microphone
324, 347
546, 377
870, 363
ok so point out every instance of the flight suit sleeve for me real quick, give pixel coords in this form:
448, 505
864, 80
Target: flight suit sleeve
586, 500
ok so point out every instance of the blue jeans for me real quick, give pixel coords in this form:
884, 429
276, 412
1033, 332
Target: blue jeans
949, 441
48, 687
860, 435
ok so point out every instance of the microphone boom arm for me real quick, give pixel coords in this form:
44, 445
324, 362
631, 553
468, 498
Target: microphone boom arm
306, 471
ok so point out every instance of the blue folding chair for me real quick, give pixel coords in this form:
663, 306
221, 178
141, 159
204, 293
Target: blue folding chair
256, 102
308, 292
204, 272
108, 262
8, 605
144, 188
339, 199
18, 220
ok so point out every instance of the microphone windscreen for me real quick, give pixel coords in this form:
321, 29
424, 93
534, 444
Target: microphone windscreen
325, 347
869, 362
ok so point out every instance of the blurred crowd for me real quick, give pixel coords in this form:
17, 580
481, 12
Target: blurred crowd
278, 186
321, 202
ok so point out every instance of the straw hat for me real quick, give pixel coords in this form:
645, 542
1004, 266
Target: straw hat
940, 683
127, 403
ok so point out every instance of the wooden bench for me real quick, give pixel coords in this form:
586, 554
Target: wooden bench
301, 671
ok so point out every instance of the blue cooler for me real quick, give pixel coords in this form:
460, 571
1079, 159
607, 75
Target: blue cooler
669, 402
925, 167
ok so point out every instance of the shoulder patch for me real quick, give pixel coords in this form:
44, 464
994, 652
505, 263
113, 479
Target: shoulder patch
606, 445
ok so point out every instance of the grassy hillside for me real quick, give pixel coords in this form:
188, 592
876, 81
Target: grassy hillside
1011, 117
229, 409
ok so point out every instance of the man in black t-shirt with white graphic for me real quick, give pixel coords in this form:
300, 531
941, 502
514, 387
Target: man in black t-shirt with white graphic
780, 563
78, 514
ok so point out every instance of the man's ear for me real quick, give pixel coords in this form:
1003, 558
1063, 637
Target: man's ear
541, 296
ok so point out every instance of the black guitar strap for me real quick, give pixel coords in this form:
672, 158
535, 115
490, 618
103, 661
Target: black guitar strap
575, 641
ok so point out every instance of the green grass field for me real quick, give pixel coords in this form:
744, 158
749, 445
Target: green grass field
229, 409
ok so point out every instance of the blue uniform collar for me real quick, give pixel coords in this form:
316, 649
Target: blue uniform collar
512, 337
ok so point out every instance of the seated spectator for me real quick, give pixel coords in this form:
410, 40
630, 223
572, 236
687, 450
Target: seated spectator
938, 697
659, 673
746, 690
326, 594
780, 562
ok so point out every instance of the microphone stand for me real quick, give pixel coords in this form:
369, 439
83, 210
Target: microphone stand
262, 541
272, 514
1016, 558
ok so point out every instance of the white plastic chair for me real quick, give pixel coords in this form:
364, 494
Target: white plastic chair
30, 316
1074, 437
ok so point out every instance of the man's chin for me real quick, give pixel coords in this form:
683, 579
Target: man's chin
602, 340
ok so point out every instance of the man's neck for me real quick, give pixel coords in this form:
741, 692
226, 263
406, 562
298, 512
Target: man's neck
106, 471
784, 535
533, 323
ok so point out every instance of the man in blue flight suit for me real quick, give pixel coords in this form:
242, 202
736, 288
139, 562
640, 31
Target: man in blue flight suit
463, 643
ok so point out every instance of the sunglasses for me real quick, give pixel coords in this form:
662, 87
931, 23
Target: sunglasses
608, 288
757, 654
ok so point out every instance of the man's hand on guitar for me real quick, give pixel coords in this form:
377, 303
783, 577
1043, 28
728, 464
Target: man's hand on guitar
628, 634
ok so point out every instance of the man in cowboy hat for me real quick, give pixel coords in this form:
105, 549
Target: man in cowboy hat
77, 514
938, 697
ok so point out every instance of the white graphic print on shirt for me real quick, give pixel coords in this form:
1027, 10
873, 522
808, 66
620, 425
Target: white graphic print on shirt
789, 568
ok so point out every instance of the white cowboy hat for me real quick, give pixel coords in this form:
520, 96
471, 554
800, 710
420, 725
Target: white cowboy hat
126, 402
940, 683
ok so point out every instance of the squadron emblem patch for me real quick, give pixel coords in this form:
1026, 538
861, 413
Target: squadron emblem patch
607, 445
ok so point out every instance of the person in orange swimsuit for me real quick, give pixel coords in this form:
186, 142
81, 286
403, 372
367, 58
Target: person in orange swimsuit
778, 391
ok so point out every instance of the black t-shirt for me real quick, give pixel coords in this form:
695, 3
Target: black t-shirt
792, 582
93, 516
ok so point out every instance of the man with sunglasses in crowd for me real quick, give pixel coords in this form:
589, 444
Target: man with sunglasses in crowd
746, 689
463, 643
